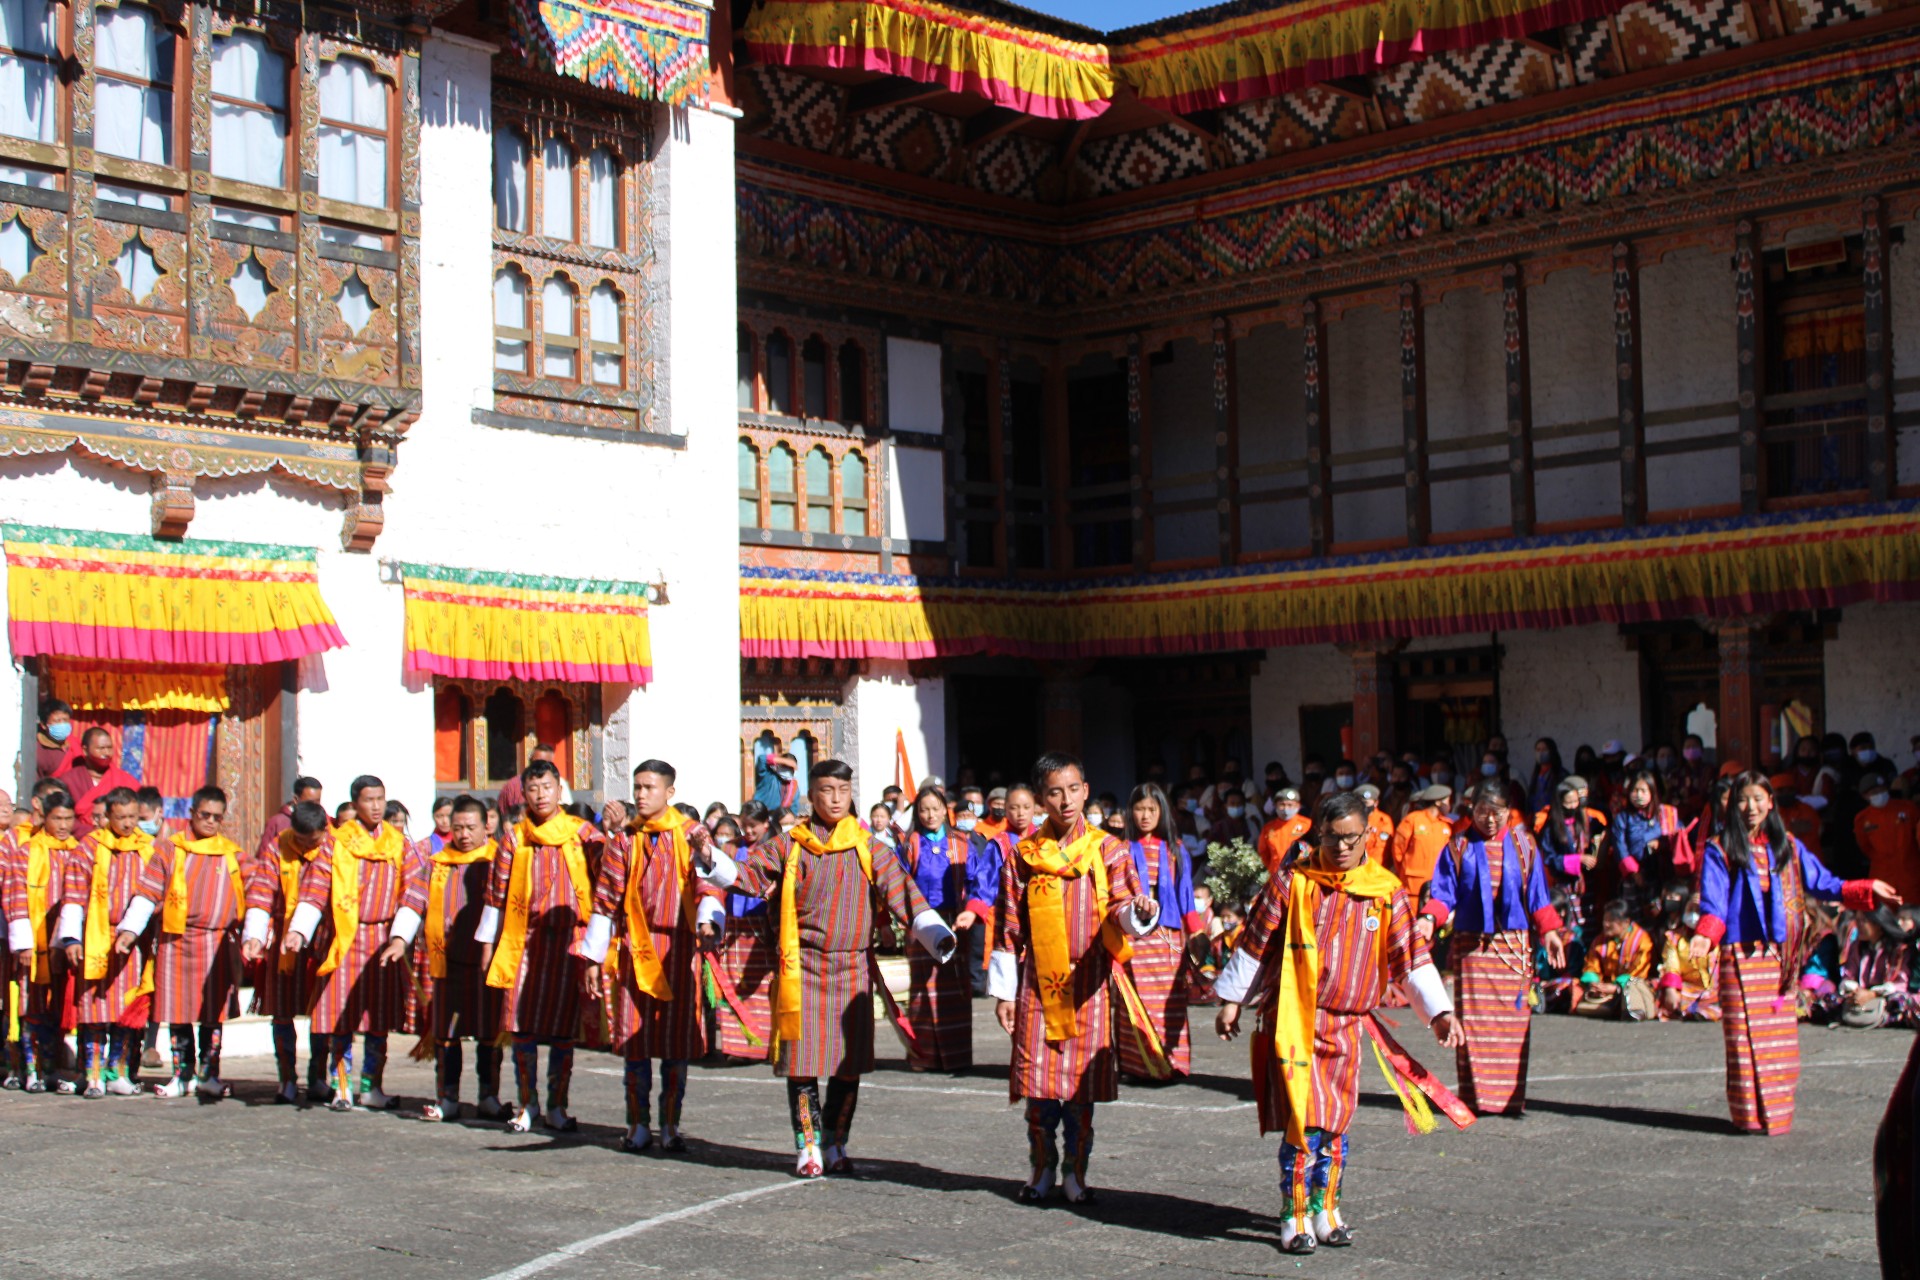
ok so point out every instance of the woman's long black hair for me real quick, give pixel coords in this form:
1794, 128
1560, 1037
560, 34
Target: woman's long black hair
1166, 832
1554, 832
1732, 832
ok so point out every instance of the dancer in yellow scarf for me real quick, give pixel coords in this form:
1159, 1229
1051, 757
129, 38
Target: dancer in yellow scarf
827, 879
1070, 903
283, 981
370, 885
657, 904
1328, 936
461, 1006
538, 902
102, 916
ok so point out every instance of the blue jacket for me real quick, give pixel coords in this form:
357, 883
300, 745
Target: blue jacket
1462, 888
1734, 908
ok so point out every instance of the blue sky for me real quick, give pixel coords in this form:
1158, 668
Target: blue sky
1108, 15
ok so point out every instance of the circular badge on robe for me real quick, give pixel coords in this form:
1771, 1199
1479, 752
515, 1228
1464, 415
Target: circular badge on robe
1373, 922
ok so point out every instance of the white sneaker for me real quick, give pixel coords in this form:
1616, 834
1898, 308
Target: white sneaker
377, 1100
121, 1087
67, 1087
211, 1087
490, 1108
638, 1138
523, 1118
809, 1164
173, 1088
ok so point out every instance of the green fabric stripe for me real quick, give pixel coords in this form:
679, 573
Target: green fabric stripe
142, 543
523, 582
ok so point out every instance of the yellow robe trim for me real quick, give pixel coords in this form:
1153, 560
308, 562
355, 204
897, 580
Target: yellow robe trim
99, 929
561, 831
40, 847
293, 860
173, 915
648, 975
786, 995
352, 845
1051, 864
443, 864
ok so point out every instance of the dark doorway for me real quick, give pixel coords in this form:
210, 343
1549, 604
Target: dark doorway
996, 726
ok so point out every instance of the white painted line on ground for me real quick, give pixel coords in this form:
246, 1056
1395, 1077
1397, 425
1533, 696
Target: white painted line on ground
568, 1252
998, 1095
1711, 1071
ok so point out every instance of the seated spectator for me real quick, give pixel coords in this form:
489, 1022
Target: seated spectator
1614, 983
1875, 950
1689, 987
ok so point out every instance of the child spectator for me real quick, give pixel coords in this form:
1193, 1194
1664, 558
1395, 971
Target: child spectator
1689, 988
1614, 982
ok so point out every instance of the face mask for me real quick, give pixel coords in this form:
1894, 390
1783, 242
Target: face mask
976, 808
1095, 818
1541, 757
1344, 781
1692, 754
1443, 777
999, 815
965, 820
1879, 799
60, 732
1489, 769
1866, 755
150, 825
785, 775
1190, 805
1235, 810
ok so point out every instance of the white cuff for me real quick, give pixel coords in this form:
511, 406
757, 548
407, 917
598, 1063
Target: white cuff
1427, 992
1236, 977
488, 929
406, 925
1130, 923
257, 926
306, 917
725, 870
710, 911
72, 925
1815, 803
20, 934
1003, 975
138, 914
931, 932
593, 947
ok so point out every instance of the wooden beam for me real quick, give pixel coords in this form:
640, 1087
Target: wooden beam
1629, 394
990, 124
1313, 341
1413, 414
889, 91
1520, 501
1071, 140
1748, 374
1226, 441
1882, 442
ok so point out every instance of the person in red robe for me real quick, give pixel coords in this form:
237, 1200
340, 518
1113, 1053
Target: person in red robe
92, 775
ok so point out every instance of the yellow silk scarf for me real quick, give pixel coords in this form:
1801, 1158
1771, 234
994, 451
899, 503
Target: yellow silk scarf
99, 928
648, 974
173, 915
786, 996
1052, 865
443, 864
1299, 979
352, 845
561, 831
40, 847
293, 860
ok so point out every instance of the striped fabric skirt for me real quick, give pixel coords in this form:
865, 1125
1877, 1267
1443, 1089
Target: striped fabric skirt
464, 1006
196, 976
107, 1000
836, 1017
1159, 971
643, 1027
747, 957
1491, 977
1338, 1041
360, 996
940, 1010
544, 1001
1082, 1068
1762, 1031
283, 993
50, 1001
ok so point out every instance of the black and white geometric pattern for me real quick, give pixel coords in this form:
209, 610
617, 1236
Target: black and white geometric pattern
1589, 47
1805, 15
1129, 161
800, 110
1014, 165
1463, 80
1659, 33
1310, 117
907, 140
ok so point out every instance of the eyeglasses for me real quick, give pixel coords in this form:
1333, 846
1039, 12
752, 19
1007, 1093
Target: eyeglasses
1339, 841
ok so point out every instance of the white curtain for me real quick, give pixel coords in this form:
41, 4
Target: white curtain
509, 180
245, 218
556, 318
603, 199
39, 179
556, 197
17, 249
603, 324
351, 238
509, 312
353, 165
137, 268
29, 101
113, 193
250, 287
249, 142
130, 120
356, 304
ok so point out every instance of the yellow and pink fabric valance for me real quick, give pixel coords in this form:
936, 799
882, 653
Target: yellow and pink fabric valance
1012, 65
1261, 51
1805, 560
650, 49
75, 593
479, 625
93, 685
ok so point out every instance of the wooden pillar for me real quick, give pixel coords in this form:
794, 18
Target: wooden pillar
1519, 402
1313, 339
1881, 439
1746, 341
1140, 451
1059, 467
1628, 387
1226, 441
1413, 414
1373, 698
1062, 697
1741, 644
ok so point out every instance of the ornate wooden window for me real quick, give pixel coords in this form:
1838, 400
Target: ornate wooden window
134, 56
749, 485
557, 190
485, 732
853, 384
853, 495
605, 339
783, 495
30, 53
603, 199
748, 376
559, 330
780, 373
249, 135
353, 137
509, 180
819, 482
512, 333
822, 373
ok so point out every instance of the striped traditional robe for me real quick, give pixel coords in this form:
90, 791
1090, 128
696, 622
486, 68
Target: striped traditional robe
360, 995
1083, 1068
196, 974
544, 1001
1351, 987
940, 996
1492, 974
12, 890
105, 1000
748, 957
644, 1027
1161, 975
463, 1005
836, 917
47, 991
283, 987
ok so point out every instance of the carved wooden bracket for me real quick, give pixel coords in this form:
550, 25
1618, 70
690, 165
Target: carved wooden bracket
172, 504
364, 521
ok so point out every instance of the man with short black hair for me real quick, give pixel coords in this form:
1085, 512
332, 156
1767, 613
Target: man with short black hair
102, 917
304, 789
460, 1004
32, 923
283, 980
